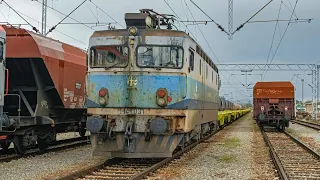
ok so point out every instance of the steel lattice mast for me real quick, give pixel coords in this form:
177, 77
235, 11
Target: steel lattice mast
314, 68
230, 10
44, 17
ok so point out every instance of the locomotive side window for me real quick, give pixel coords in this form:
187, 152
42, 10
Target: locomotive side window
160, 56
200, 66
1, 51
212, 76
109, 56
206, 72
191, 60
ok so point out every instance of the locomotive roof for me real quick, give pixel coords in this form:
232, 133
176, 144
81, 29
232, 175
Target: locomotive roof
142, 32
273, 84
31, 45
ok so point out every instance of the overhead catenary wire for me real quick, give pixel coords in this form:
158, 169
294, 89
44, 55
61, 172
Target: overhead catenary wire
290, 9
283, 34
242, 25
33, 27
283, 20
106, 14
55, 30
92, 12
208, 44
180, 20
64, 14
218, 25
203, 34
54, 27
274, 33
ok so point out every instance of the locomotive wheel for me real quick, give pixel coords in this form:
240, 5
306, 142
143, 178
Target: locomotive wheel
19, 142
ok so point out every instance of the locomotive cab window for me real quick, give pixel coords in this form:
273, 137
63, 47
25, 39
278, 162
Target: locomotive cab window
1, 51
109, 56
191, 60
160, 56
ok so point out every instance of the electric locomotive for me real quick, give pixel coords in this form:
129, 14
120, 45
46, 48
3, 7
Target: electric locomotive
149, 90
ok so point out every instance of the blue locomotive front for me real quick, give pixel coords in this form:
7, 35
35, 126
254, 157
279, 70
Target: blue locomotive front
141, 97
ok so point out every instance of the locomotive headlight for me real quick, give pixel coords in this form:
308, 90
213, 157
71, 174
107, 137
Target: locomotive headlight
102, 101
161, 102
162, 97
133, 31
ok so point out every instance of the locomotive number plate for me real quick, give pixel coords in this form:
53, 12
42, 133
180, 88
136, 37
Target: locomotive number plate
131, 111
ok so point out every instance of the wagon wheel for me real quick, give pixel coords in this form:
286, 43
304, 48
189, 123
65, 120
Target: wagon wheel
19, 142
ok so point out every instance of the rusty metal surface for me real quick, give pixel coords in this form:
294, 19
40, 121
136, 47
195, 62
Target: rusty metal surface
142, 32
273, 90
294, 159
281, 106
66, 64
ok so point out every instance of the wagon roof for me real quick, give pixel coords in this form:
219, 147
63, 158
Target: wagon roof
31, 45
279, 84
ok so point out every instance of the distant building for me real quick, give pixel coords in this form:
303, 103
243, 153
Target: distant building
308, 107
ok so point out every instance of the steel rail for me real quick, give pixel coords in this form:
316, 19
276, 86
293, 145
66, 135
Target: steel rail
307, 124
274, 157
54, 147
306, 147
146, 171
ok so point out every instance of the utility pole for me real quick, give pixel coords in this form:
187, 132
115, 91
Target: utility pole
44, 17
302, 81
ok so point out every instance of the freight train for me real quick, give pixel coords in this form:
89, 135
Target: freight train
274, 104
42, 89
149, 90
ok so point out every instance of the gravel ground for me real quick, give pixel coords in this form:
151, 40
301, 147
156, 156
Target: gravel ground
69, 135
237, 152
305, 134
62, 136
48, 165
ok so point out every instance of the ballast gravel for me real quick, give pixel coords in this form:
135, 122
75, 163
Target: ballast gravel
48, 165
236, 152
307, 135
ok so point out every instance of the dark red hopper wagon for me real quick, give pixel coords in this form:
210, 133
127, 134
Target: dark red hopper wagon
274, 104
46, 86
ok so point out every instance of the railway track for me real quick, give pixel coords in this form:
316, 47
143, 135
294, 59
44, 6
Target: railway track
308, 124
292, 158
132, 169
55, 146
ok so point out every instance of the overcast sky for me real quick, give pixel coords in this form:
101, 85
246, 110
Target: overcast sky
301, 43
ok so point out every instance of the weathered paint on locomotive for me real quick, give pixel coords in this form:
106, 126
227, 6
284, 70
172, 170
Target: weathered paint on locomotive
193, 100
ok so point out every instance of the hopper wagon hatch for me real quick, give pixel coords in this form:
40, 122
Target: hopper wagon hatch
46, 86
